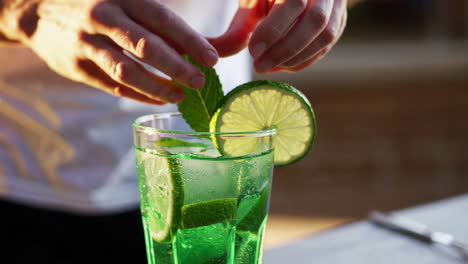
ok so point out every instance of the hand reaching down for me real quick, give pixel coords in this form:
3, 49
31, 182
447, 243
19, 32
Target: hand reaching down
84, 40
284, 35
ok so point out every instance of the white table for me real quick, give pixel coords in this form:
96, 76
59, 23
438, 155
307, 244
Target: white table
364, 242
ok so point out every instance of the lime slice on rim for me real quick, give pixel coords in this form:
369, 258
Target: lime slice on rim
163, 195
209, 212
261, 105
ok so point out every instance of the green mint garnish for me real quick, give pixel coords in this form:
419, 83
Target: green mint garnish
198, 106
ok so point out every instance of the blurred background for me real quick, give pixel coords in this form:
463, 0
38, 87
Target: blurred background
391, 100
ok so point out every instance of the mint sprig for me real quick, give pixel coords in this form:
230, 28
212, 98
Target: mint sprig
198, 106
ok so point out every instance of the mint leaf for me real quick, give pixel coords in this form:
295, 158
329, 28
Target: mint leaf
198, 106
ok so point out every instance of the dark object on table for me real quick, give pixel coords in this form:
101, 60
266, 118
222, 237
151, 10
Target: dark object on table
419, 231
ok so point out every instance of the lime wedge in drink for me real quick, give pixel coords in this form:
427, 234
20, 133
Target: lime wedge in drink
168, 146
261, 105
247, 247
174, 142
164, 195
252, 212
209, 212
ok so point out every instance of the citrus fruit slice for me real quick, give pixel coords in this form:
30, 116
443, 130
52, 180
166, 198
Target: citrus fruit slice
163, 194
209, 212
255, 211
246, 247
168, 146
174, 142
261, 105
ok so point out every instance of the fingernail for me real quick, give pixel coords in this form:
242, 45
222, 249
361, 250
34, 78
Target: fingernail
265, 65
258, 49
197, 82
210, 57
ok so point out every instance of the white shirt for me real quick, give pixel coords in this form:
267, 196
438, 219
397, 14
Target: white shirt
67, 146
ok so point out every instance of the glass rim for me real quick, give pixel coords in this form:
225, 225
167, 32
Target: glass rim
137, 123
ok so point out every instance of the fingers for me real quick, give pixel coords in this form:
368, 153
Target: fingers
281, 17
248, 15
310, 24
328, 37
126, 72
99, 79
237, 36
162, 21
301, 64
306, 63
150, 49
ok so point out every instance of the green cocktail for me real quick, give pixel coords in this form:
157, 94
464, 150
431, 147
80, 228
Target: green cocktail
200, 205
205, 195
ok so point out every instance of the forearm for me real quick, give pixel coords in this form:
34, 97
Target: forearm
17, 20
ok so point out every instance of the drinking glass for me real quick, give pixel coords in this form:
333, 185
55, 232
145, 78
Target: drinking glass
204, 195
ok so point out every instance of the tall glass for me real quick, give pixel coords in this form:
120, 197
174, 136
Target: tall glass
203, 201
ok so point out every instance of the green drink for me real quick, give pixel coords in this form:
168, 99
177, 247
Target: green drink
199, 205
205, 194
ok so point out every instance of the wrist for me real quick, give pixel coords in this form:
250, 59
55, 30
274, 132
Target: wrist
18, 20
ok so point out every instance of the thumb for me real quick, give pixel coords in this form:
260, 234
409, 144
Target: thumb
245, 20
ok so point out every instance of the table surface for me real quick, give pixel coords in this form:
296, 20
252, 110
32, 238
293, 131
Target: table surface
363, 242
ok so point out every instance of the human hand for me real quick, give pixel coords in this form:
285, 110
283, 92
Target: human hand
84, 40
284, 35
